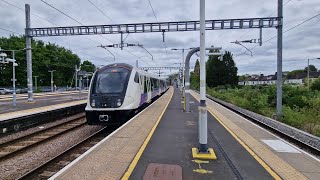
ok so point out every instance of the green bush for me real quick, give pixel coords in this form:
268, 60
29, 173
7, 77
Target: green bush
315, 85
301, 106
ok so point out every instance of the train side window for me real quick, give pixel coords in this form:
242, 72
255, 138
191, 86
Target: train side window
136, 78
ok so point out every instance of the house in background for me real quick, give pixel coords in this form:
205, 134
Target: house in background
297, 79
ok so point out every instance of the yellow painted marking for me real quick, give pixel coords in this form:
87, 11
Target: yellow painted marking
211, 155
202, 171
144, 145
251, 152
260, 161
200, 161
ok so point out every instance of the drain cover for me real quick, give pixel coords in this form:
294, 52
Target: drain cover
163, 171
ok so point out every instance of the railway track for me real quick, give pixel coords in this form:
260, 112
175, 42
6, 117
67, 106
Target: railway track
13, 147
52, 166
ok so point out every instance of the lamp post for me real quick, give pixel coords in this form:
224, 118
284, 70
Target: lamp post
182, 49
52, 79
14, 64
308, 75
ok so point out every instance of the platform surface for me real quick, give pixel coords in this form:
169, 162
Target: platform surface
177, 134
40, 100
286, 160
152, 146
111, 157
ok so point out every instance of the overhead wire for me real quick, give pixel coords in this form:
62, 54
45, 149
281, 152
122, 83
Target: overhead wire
128, 35
36, 15
4, 29
293, 27
77, 22
155, 16
100, 10
267, 16
8, 30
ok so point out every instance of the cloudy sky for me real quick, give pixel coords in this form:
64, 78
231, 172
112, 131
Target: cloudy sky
299, 43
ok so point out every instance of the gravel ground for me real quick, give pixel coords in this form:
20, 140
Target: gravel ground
37, 128
17, 166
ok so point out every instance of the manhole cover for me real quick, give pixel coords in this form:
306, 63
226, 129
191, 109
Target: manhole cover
163, 171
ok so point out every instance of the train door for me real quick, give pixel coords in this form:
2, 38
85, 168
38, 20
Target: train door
149, 89
159, 86
141, 83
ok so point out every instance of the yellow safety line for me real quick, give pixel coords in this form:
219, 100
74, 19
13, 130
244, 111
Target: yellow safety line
250, 151
144, 145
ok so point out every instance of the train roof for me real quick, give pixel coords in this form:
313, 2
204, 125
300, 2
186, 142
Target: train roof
131, 68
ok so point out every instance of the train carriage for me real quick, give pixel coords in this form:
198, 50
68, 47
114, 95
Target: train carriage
118, 91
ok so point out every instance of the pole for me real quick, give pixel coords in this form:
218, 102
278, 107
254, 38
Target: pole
183, 68
308, 78
279, 59
260, 43
80, 86
35, 82
14, 95
28, 54
51, 81
121, 45
202, 108
87, 82
76, 74
183, 85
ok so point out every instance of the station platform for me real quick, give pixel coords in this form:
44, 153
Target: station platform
157, 143
45, 108
40, 100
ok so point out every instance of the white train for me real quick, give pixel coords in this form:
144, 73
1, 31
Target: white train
118, 91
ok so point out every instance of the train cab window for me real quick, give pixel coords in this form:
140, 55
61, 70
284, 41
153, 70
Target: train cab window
112, 80
136, 78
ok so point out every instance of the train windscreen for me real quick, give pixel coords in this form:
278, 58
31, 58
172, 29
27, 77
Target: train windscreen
111, 80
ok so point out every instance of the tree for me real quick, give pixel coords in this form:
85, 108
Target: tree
221, 72
87, 66
243, 78
45, 56
197, 67
294, 73
195, 76
312, 68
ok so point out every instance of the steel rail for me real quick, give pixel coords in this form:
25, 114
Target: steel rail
10, 148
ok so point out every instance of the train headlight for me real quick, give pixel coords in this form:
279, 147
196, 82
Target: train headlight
93, 103
119, 102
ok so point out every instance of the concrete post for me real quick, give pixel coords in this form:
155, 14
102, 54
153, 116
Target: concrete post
308, 75
279, 60
202, 108
14, 95
76, 76
28, 54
